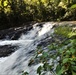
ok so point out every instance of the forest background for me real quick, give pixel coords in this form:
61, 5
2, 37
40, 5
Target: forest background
18, 12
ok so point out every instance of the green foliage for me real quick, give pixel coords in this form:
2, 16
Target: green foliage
15, 13
64, 53
39, 70
67, 60
65, 31
73, 6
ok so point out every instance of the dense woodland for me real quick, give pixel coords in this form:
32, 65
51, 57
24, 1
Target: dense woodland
18, 12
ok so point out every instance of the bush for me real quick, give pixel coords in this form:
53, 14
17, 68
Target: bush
62, 55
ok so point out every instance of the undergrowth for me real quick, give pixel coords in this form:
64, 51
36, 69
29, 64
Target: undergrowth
60, 58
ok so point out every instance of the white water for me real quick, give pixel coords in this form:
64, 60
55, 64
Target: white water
18, 61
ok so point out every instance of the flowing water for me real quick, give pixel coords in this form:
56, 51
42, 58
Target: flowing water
27, 43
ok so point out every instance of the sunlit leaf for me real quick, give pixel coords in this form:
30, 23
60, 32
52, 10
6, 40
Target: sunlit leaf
65, 60
73, 73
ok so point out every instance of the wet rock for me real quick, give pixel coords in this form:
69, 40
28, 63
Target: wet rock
7, 50
13, 33
41, 24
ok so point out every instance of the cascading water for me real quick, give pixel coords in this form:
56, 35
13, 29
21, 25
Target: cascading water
18, 60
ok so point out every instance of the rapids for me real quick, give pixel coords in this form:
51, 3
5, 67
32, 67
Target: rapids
27, 43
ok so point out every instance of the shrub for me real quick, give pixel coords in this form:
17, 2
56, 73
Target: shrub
62, 55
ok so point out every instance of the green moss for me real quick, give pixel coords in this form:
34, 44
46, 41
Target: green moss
65, 31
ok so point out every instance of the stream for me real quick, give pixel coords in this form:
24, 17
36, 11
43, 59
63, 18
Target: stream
18, 60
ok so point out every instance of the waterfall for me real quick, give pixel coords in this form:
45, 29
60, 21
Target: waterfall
17, 62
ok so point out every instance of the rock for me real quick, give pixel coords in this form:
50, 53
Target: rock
13, 33
6, 50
